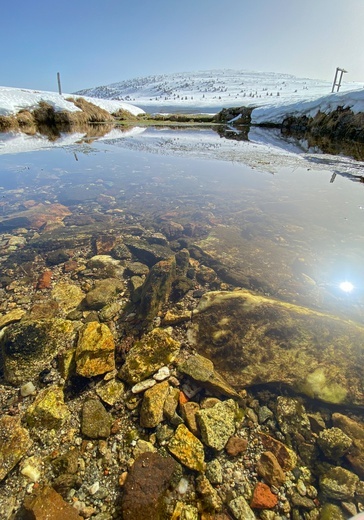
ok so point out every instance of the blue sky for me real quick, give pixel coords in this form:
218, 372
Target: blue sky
97, 42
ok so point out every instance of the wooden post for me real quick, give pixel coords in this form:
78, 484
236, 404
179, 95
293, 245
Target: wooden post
59, 83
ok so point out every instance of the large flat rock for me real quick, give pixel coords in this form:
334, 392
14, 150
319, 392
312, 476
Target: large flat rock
256, 340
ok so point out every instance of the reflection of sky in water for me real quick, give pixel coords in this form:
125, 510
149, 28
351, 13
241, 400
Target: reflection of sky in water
296, 229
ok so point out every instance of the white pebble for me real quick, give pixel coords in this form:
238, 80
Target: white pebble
32, 473
94, 488
27, 389
162, 374
182, 486
143, 385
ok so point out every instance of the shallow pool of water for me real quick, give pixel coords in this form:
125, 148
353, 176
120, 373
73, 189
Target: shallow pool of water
286, 224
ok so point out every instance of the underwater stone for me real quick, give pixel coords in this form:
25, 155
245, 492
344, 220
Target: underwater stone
148, 355
187, 448
95, 351
48, 410
252, 340
217, 424
27, 347
339, 483
14, 443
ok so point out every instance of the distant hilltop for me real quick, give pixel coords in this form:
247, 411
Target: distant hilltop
215, 88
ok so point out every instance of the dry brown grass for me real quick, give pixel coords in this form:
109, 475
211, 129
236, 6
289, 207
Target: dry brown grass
90, 113
8, 123
124, 115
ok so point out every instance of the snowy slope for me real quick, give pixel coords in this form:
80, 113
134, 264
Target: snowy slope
14, 99
226, 88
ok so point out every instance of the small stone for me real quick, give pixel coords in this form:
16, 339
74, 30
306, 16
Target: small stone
143, 386
263, 498
151, 413
27, 389
14, 443
236, 446
95, 420
264, 413
171, 403
210, 497
94, 488
187, 448
162, 374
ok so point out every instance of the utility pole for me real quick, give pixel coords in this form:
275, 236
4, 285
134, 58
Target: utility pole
59, 83
337, 79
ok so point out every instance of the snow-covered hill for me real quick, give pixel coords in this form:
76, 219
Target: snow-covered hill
217, 89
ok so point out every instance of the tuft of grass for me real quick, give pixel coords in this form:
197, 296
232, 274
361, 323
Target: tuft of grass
90, 113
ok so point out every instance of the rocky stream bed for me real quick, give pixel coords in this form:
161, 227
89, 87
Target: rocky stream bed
144, 378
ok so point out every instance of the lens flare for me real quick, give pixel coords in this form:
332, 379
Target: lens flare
346, 286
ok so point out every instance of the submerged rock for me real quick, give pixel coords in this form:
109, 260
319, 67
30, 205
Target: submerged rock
48, 410
148, 355
217, 424
47, 503
14, 443
157, 288
26, 348
146, 485
256, 340
95, 352
187, 448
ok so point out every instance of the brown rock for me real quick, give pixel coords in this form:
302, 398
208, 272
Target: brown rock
263, 498
188, 412
145, 486
47, 504
286, 458
44, 280
268, 467
235, 446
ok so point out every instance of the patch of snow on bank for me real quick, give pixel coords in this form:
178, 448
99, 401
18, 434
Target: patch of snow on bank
12, 100
326, 104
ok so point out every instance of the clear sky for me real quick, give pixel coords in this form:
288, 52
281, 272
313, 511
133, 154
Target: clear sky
97, 42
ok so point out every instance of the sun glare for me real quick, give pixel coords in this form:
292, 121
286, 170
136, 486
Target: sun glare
346, 286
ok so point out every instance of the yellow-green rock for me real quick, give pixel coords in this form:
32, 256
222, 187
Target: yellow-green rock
148, 355
48, 410
253, 340
95, 351
11, 317
68, 295
187, 448
111, 391
151, 412
14, 443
